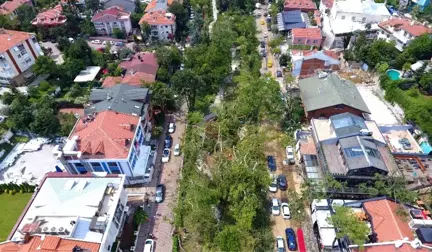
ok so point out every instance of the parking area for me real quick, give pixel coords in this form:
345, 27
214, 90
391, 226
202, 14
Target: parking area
382, 112
55, 54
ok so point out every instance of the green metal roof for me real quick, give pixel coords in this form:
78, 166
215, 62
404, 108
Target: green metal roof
318, 93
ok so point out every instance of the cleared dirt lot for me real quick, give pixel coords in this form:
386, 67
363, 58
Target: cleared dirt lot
381, 112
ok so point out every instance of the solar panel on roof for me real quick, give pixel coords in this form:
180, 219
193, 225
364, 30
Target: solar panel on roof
424, 234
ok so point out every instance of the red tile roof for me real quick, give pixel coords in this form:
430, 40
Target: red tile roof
109, 134
9, 6
134, 79
158, 17
328, 3
110, 14
308, 33
408, 25
50, 17
385, 222
306, 5
9, 38
390, 248
49, 244
111, 81
152, 5
144, 62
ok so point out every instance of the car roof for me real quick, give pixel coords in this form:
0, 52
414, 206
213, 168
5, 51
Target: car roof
177, 146
171, 124
274, 200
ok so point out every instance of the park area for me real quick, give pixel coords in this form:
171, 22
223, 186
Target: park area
12, 206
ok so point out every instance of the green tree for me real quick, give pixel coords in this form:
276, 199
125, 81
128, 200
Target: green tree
182, 18
93, 5
169, 57
406, 67
284, 60
140, 216
382, 68
163, 75
426, 82
119, 33
145, 30
348, 224
44, 65
63, 43
80, 50
162, 96
25, 15
45, 122
21, 112
87, 27
187, 84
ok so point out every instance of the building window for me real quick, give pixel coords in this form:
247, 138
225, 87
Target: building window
97, 167
34, 40
166, 26
298, 40
22, 49
28, 60
343, 17
80, 168
114, 168
340, 106
315, 41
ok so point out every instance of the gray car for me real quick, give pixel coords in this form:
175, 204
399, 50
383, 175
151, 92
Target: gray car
160, 193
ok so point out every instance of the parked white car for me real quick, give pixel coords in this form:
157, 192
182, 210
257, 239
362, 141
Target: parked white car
166, 155
285, 211
177, 150
171, 128
290, 154
149, 245
96, 41
273, 185
280, 244
275, 207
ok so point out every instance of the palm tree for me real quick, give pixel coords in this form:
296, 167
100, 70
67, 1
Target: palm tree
406, 67
140, 216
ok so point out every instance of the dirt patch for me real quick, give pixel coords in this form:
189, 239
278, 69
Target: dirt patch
357, 76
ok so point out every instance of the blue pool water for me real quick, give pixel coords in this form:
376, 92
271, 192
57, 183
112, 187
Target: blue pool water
426, 148
393, 74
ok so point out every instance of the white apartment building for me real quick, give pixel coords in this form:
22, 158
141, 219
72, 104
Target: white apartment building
107, 20
402, 31
111, 142
162, 24
348, 16
87, 208
18, 52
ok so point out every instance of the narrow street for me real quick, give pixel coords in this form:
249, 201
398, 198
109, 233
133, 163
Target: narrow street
161, 216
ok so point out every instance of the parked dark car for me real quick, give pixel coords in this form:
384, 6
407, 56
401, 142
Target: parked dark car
291, 239
168, 141
268, 27
262, 43
278, 73
271, 163
282, 182
263, 53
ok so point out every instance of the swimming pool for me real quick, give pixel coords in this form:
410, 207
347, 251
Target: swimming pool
393, 74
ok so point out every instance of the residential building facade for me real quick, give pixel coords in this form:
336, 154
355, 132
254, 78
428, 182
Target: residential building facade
306, 36
107, 20
402, 31
51, 17
110, 142
88, 209
18, 52
9, 8
326, 95
307, 63
162, 24
345, 17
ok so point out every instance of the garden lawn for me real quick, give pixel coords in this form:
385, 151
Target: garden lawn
11, 208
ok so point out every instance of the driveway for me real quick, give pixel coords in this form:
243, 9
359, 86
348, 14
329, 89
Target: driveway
56, 55
161, 215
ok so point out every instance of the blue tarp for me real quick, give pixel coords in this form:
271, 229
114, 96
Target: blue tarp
426, 148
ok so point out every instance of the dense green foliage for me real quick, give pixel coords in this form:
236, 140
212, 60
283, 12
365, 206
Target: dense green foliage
348, 224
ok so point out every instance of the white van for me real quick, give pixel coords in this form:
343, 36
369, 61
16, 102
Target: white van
149, 245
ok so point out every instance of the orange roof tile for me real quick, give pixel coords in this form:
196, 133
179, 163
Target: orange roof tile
385, 222
412, 27
109, 134
137, 79
49, 244
111, 81
300, 5
110, 14
390, 248
152, 5
9, 38
51, 17
309, 33
9, 6
158, 17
